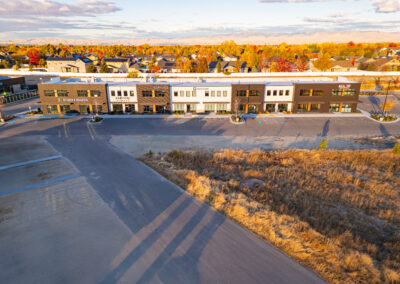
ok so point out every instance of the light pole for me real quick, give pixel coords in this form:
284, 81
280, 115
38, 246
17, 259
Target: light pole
1, 106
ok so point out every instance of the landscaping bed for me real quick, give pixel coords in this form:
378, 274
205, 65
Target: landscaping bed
335, 211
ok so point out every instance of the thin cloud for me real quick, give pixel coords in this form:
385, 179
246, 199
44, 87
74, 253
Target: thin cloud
49, 8
381, 6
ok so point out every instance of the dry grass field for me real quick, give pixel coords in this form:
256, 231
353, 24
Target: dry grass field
337, 212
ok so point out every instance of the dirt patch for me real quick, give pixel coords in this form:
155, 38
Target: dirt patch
335, 211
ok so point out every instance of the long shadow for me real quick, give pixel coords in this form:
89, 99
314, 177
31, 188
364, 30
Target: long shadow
383, 130
374, 102
184, 269
325, 129
140, 250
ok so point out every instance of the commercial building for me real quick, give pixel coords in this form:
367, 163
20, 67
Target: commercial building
200, 97
71, 96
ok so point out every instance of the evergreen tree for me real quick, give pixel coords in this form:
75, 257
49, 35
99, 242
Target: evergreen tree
219, 67
92, 69
103, 67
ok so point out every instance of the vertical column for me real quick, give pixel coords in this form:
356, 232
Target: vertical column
153, 94
247, 105
90, 105
309, 105
58, 106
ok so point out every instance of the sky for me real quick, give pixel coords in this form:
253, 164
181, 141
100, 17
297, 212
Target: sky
124, 19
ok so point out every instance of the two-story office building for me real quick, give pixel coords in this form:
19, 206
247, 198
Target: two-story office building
200, 97
82, 97
122, 97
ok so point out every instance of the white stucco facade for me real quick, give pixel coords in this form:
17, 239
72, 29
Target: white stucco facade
277, 95
122, 97
201, 97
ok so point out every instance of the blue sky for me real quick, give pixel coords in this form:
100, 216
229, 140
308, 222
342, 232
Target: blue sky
123, 19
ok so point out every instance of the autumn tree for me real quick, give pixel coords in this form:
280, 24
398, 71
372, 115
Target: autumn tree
34, 56
283, 65
219, 67
202, 66
237, 66
92, 69
323, 63
103, 67
300, 65
42, 62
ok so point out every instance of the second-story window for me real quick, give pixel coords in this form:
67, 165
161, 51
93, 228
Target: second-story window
281, 92
119, 93
147, 93
112, 93
62, 93
159, 94
207, 94
253, 93
275, 92
84, 93
241, 93
95, 93
225, 93
175, 94
132, 93
125, 93
49, 93
269, 93
287, 93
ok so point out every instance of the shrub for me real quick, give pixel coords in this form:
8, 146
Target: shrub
175, 154
8, 117
227, 73
323, 145
396, 149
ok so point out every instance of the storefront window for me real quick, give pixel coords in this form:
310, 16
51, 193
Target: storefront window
270, 107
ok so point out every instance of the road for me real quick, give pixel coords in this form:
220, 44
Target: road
148, 231
22, 106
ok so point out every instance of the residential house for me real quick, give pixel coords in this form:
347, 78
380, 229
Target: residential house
167, 66
230, 58
342, 66
117, 65
227, 66
74, 64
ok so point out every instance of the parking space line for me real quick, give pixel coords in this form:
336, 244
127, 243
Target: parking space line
29, 162
36, 185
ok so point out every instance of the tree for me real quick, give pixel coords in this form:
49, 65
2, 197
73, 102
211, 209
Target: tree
237, 66
92, 69
34, 56
202, 66
323, 63
219, 67
103, 67
388, 105
371, 67
300, 65
284, 65
42, 62
155, 69
6, 65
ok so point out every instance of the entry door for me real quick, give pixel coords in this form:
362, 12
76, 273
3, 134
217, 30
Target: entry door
187, 108
252, 109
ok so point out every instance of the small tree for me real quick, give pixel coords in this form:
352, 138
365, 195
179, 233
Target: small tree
388, 105
6, 64
237, 66
323, 63
103, 67
396, 149
92, 69
323, 145
219, 67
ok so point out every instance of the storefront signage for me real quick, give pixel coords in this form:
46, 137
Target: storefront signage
120, 99
73, 100
344, 86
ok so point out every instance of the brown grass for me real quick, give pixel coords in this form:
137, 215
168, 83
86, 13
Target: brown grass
337, 212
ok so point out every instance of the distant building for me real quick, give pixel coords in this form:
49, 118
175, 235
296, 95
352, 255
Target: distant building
227, 66
118, 65
342, 66
74, 64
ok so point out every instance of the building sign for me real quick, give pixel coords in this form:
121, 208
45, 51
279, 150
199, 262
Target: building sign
344, 86
72, 100
121, 99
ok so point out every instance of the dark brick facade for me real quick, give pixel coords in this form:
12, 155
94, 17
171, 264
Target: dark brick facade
160, 102
257, 100
327, 96
73, 101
